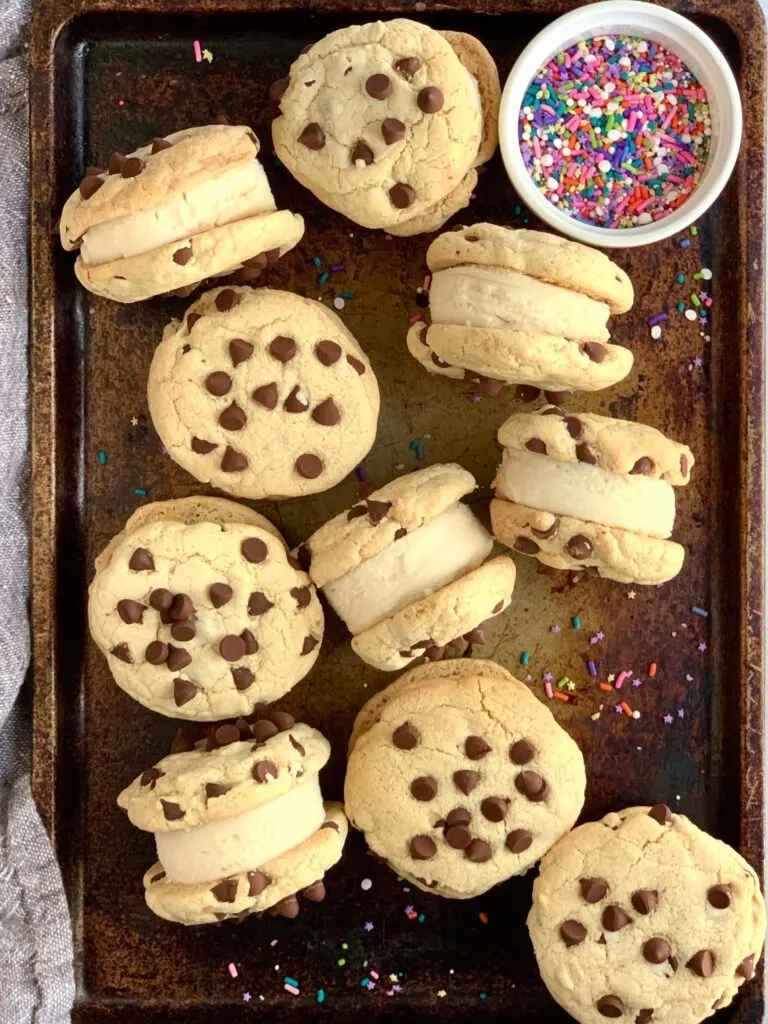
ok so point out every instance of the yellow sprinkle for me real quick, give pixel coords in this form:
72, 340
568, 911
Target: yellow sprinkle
207, 55
442, 993
393, 977
611, 677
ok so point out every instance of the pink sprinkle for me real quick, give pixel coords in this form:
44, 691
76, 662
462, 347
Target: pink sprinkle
631, 121
232, 970
573, 124
375, 975
415, 319
426, 282
548, 689
536, 146
291, 988
198, 52
620, 681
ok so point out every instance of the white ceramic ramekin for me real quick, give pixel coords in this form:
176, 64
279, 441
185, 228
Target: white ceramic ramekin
679, 35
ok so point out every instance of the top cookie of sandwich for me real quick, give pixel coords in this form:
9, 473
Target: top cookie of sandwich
384, 122
619, 446
537, 254
398, 508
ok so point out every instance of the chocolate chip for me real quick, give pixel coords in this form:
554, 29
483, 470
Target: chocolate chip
226, 734
719, 896
202, 447
475, 747
282, 348
257, 882
572, 933
309, 466
233, 462
377, 510
643, 466
90, 185
497, 607
595, 351
266, 395
278, 89
90, 171
422, 848
424, 788
259, 603
288, 907
242, 678
526, 546
684, 465
310, 643
312, 136
519, 840
220, 594
526, 393
475, 636
405, 736
302, 596
614, 919
303, 557
183, 740
362, 152
297, 746
746, 968
177, 659
284, 720
579, 547
181, 608
439, 362
296, 400
400, 533
257, 262
141, 560
655, 950
150, 777
131, 612
239, 351
183, 256
254, 550
378, 86
494, 808
171, 811
123, 653
116, 162
644, 1017
466, 780
392, 130
489, 387
645, 900
328, 352
610, 1006
555, 398
549, 533
226, 299
407, 67
264, 729
661, 813
430, 99
159, 144
315, 893
593, 889
478, 851
226, 891
214, 789
218, 383
132, 167
263, 771
574, 426
702, 963
232, 648
327, 413
532, 785
585, 454
535, 444
357, 365
161, 599
192, 319
401, 195
183, 631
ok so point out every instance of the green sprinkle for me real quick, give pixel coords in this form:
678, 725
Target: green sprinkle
525, 658
321, 995
103, 458
698, 276
694, 231
141, 491
347, 295
345, 945
696, 300
576, 622
681, 278
317, 261
518, 209
681, 307
341, 961
563, 682
322, 278
483, 995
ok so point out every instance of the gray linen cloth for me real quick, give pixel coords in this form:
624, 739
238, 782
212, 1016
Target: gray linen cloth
35, 934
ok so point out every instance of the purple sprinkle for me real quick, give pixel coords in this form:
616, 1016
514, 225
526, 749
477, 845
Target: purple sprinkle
685, 244
360, 473
681, 712
338, 266
592, 668
659, 318
668, 719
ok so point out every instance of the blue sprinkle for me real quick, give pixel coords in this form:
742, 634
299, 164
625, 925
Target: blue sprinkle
421, 919
291, 981
700, 611
360, 473
322, 278
347, 295
525, 658
576, 622
321, 995
103, 458
317, 261
141, 491
685, 244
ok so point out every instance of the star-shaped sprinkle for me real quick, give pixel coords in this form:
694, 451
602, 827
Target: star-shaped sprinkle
632, 595
681, 712
409, 909
570, 686
556, 628
207, 55
611, 677
393, 977
134, 421
368, 926
668, 719
702, 646
698, 361
247, 997
637, 682
547, 677
442, 993
619, 709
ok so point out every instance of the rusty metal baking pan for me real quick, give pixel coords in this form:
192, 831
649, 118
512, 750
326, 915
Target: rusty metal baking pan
108, 75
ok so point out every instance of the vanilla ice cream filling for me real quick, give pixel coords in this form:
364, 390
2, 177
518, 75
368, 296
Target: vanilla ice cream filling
587, 492
223, 848
493, 297
411, 568
240, 192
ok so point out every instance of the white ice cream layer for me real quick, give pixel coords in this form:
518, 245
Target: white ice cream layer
477, 296
240, 192
243, 843
587, 492
410, 568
